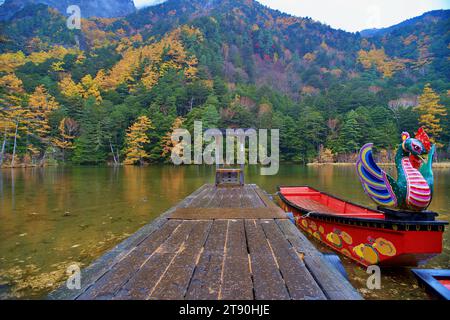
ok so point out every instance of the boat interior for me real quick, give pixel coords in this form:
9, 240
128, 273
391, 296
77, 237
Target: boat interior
315, 201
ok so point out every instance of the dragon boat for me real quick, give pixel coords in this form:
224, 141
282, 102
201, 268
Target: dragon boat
400, 232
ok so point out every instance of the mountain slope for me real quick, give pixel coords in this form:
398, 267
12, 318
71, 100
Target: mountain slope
428, 16
89, 8
423, 40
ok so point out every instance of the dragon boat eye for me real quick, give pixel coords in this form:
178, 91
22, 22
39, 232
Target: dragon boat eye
417, 148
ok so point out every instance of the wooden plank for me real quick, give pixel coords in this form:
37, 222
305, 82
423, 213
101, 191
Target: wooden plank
236, 277
268, 283
333, 284
299, 281
226, 213
246, 201
204, 203
206, 281
269, 203
113, 280
142, 284
256, 200
202, 197
227, 199
237, 197
218, 196
174, 283
213, 197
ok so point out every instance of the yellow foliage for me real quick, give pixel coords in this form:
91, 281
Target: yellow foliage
10, 61
40, 106
87, 87
208, 83
383, 63
90, 88
11, 84
309, 57
56, 52
136, 139
430, 113
94, 34
425, 57
66, 128
58, 66
156, 59
11, 111
69, 88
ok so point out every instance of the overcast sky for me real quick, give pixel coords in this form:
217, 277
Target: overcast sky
350, 15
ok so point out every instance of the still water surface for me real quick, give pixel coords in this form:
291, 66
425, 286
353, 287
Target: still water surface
51, 218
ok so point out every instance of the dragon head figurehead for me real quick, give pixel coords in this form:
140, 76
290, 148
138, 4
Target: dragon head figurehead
413, 189
416, 147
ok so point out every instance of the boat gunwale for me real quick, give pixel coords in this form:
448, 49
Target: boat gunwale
350, 220
429, 278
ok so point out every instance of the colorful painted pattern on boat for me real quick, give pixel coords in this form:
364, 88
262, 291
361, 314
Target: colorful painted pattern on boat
373, 179
369, 252
418, 192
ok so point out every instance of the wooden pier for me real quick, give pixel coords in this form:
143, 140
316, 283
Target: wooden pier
230, 243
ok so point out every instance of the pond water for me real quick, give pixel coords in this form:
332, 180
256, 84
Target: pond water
51, 218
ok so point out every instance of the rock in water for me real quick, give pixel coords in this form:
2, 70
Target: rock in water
89, 8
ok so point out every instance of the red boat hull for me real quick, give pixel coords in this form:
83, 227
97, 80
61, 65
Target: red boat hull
360, 233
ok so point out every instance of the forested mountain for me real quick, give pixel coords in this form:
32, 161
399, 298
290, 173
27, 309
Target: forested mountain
98, 8
114, 89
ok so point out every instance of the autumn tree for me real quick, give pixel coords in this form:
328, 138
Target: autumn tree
68, 129
168, 144
69, 88
430, 113
40, 106
383, 63
90, 88
136, 139
12, 114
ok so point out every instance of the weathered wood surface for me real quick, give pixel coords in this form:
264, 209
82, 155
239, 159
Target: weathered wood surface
225, 213
218, 243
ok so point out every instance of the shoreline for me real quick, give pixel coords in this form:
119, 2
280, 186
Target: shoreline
438, 165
